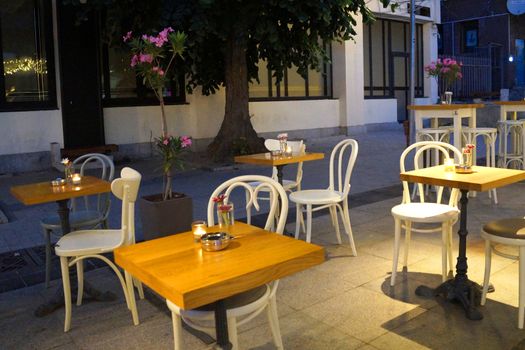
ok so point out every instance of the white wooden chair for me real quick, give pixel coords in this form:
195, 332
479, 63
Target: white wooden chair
242, 307
90, 213
76, 246
288, 185
335, 197
507, 232
408, 212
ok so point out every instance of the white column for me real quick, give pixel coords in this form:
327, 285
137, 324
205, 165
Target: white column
430, 53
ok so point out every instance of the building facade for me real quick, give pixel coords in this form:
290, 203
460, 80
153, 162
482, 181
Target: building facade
55, 94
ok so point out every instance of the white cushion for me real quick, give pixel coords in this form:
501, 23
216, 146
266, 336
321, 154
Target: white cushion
316, 197
425, 212
88, 242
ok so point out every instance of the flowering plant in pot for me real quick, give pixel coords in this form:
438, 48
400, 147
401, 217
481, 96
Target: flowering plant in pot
153, 58
446, 71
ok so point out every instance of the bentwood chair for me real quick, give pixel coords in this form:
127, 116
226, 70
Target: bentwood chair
242, 307
74, 247
86, 212
439, 217
297, 147
511, 232
334, 198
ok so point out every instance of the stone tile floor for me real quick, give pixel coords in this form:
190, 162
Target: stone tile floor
345, 303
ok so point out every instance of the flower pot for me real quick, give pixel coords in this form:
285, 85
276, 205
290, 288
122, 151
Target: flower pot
163, 218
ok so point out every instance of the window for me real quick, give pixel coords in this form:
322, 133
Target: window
317, 85
122, 87
470, 35
27, 75
386, 45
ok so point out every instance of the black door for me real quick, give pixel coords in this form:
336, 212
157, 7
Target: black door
82, 116
400, 82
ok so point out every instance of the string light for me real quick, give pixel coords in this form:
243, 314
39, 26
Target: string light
24, 65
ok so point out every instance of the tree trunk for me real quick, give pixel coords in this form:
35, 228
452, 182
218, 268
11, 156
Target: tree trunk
236, 133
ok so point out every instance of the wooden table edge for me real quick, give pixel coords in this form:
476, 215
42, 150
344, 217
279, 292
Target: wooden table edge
246, 159
444, 107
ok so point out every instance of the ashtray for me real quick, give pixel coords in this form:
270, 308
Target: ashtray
276, 153
463, 169
58, 182
215, 241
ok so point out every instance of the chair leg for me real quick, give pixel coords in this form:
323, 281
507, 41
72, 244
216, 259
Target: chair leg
408, 235
345, 216
232, 333
486, 279
397, 234
308, 223
80, 281
298, 217
335, 222
248, 208
273, 320
47, 236
177, 330
64, 267
139, 287
131, 298
521, 310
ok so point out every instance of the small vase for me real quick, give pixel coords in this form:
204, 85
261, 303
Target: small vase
467, 159
68, 173
282, 146
446, 98
225, 216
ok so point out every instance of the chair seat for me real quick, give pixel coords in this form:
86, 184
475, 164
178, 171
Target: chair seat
77, 219
233, 302
425, 212
287, 185
513, 228
316, 197
88, 242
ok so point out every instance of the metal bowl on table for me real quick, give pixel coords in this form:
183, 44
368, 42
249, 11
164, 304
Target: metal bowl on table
215, 241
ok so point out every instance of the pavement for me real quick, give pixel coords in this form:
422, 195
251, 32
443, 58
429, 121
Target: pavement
345, 303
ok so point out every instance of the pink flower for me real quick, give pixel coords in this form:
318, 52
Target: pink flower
145, 58
134, 60
224, 207
447, 61
127, 37
219, 199
166, 141
459, 75
158, 70
186, 141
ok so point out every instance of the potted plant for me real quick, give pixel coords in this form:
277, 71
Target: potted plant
446, 71
153, 58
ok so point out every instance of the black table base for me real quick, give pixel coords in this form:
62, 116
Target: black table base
460, 288
221, 326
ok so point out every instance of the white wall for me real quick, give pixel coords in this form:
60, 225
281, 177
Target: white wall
381, 111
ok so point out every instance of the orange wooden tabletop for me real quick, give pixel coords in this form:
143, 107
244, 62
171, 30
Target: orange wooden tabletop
267, 159
444, 107
43, 192
502, 103
482, 179
179, 270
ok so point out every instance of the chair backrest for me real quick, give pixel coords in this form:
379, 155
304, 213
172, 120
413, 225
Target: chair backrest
339, 173
296, 146
243, 182
105, 170
442, 148
126, 188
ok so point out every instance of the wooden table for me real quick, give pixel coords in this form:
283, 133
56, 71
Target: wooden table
457, 112
510, 106
483, 179
278, 162
43, 192
179, 270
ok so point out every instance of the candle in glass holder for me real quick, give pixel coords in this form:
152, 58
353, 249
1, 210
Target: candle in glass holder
199, 229
288, 151
449, 164
76, 179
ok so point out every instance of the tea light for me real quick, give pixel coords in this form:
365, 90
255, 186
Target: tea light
449, 164
288, 151
199, 229
76, 179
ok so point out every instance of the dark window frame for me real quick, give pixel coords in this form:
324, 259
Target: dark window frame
274, 90
387, 88
44, 22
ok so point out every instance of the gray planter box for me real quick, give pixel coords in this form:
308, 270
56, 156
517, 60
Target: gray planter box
163, 218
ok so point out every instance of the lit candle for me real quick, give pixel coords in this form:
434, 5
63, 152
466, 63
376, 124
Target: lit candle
76, 179
199, 229
449, 164
288, 151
